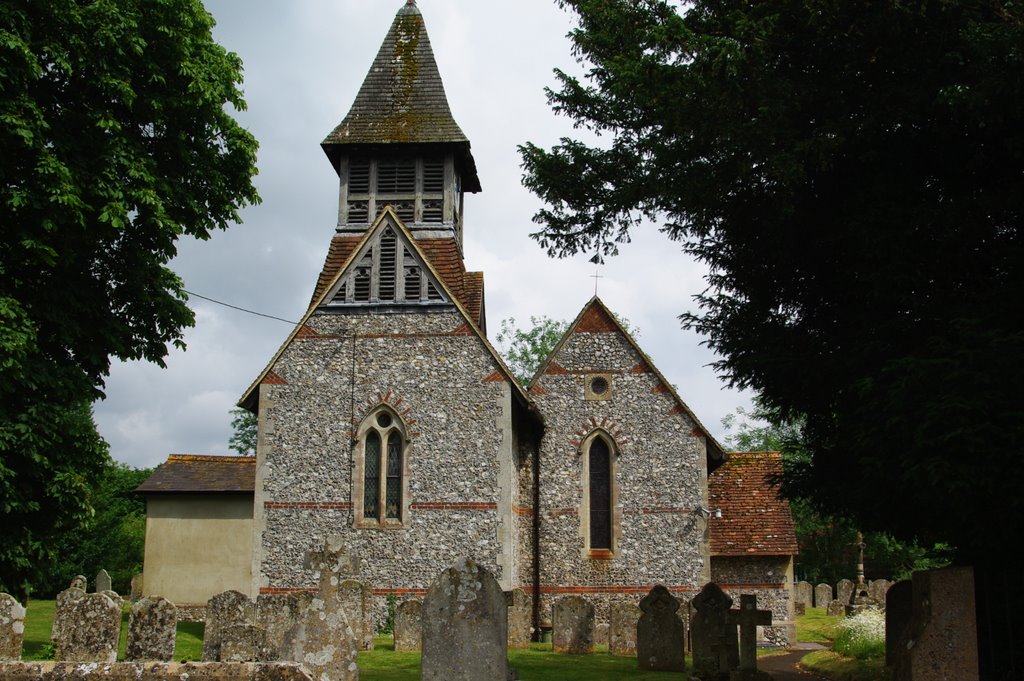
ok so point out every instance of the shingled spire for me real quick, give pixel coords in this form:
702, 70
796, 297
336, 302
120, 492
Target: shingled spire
402, 101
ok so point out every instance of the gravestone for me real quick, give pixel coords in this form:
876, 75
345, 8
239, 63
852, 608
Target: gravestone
572, 622
748, 618
713, 634
357, 599
62, 609
278, 616
803, 592
844, 591
152, 628
822, 595
222, 611
623, 617
520, 612
800, 608
91, 631
324, 641
12, 627
103, 581
409, 627
660, 633
877, 589
465, 620
114, 596
835, 608
941, 640
243, 643
899, 606
601, 633
136, 591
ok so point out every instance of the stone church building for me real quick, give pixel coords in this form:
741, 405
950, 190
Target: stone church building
387, 421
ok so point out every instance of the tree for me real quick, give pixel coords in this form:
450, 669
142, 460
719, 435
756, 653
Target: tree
244, 425
853, 176
117, 138
524, 350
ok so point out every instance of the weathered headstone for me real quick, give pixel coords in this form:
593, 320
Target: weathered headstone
357, 599
278, 616
152, 628
325, 641
836, 608
623, 617
844, 591
941, 641
114, 596
136, 588
803, 592
899, 607
799, 608
12, 627
243, 643
103, 581
877, 589
91, 631
713, 634
62, 608
660, 633
572, 619
409, 627
465, 620
822, 595
520, 611
749, 618
222, 611
601, 633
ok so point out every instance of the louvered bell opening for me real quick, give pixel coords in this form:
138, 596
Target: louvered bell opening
358, 211
406, 210
412, 280
396, 177
433, 210
388, 253
600, 496
359, 177
393, 500
361, 285
371, 477
432, 292
433, 177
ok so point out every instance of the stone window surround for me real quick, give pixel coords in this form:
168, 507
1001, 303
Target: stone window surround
369, 423
588, 391
613, 475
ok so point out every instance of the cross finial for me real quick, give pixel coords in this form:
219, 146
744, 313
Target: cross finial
596, 276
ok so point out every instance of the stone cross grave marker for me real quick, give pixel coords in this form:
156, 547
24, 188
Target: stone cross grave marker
357, 599
62, 609
12, 627
748, 618
103, 581
325, 641
152, 629
572, 622
844, 591
822, 595
278, 616
91, 631
712, 634
222, 611
520, 610
622, 619
409, 627
660, 634
803, 592
465, 620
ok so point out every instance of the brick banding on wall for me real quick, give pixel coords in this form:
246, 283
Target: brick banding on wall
453, 506
601, 589
320, 505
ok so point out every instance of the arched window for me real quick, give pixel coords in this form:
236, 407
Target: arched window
599, 495
382, 470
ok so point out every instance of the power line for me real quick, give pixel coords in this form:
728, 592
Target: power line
240, 309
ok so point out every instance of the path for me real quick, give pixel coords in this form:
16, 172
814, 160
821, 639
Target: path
784, 667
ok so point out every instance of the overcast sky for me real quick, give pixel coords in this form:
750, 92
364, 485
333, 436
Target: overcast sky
304, 62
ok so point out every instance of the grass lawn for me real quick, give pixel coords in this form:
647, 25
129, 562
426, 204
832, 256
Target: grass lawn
815, 626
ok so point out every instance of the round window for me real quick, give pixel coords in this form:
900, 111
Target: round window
383, 419
599, 385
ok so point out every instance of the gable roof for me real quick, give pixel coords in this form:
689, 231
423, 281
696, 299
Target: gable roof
595, 317
402, 99
755, 519
444, 257
194, 473
390, 217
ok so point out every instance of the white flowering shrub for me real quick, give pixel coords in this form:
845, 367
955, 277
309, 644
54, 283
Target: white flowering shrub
861, 635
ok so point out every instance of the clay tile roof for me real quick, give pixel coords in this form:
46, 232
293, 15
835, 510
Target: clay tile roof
341, 248
191, 473
473, 285
755, 520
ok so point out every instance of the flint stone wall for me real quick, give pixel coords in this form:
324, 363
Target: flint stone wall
459, 426
154, 671
755, 571
653, 536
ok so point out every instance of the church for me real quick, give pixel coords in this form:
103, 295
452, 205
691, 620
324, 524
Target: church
388, 423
